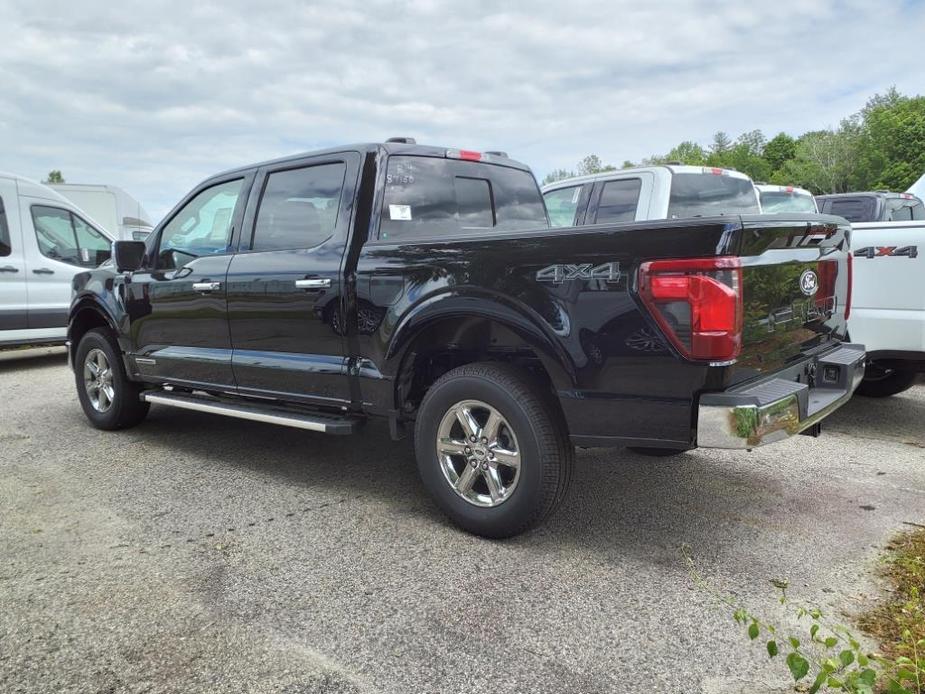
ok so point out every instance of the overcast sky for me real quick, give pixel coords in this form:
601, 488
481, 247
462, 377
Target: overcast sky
155, 96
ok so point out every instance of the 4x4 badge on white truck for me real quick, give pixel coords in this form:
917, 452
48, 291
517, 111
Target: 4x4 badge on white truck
809, 282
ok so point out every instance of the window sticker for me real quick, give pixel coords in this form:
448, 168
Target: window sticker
575, 195
400, 213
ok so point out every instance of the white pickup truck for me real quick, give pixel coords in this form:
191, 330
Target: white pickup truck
888, 303
644, 193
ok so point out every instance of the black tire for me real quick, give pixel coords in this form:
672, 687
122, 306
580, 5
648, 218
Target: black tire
125, 408
545, 452
656, 452
882, 383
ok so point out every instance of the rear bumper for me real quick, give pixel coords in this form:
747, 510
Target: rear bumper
780, 407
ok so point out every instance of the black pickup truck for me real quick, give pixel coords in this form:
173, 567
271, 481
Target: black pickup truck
424, 285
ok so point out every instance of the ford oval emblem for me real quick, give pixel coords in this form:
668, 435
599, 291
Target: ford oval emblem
809, 282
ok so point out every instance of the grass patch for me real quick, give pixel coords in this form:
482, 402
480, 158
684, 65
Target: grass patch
898, 622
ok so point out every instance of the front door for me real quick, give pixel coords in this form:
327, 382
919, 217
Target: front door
285, 286
177, 306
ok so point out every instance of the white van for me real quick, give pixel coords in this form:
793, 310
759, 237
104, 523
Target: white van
44, 241
119, 214
669, 191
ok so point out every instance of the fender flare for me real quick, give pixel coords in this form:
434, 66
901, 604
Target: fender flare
519, 319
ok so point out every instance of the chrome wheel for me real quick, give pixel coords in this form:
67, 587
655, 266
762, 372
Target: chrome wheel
98, 380
478, 453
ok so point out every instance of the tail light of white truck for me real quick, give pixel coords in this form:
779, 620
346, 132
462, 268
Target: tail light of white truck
697, 303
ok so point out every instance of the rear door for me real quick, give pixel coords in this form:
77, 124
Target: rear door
13, 302
59, 244
286, 285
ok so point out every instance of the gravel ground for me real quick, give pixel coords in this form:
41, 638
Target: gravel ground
200, 554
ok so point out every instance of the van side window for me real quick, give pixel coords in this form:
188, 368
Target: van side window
5, 247
298, 208
619, 200
56, 231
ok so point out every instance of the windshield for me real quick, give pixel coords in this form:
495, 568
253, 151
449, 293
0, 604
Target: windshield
705, 195
774, 202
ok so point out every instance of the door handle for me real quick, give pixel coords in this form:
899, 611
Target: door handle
206, 286
9, 268
43, 271
319, 283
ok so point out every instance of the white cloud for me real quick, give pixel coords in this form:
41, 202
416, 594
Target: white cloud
156, 96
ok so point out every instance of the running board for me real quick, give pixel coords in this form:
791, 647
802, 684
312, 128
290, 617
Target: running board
327, 424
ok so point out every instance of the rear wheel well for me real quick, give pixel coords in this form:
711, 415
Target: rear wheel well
85, 320
450, 343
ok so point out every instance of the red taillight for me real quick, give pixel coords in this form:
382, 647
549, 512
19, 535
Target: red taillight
827, 273
465, 154
697, 303
850, 284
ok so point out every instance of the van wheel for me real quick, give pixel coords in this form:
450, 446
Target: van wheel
108, 398
492, 449
882, 383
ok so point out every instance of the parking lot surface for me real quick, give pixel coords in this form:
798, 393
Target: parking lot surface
197, 554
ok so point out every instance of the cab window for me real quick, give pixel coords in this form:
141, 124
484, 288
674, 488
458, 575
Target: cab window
619, 201
299, 207
432, 197
65, 237
562, 205
201, 227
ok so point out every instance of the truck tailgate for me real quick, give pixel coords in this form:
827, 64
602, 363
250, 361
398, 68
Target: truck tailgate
796, 287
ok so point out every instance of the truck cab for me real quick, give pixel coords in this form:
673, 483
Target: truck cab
648, 193
878, 206
44, 241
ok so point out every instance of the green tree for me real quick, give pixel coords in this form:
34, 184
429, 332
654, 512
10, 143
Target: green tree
721, 142
54, 176
592, 164
823, 162
780, 149
557, 175
891, 142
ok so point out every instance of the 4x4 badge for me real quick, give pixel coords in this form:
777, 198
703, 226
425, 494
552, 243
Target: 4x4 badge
557, 274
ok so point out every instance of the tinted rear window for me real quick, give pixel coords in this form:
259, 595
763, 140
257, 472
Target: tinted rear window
861, 209
705, 195
782, 201
427, 196
905, 209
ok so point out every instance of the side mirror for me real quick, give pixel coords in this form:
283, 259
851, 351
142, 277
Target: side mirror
128, 255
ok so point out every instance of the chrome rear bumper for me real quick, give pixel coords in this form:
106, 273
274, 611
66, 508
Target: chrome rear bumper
780, 407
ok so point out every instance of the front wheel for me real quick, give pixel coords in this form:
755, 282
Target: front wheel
882, 383
108, 398
492, 449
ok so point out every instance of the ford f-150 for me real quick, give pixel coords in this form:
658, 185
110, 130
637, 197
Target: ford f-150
423, 285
